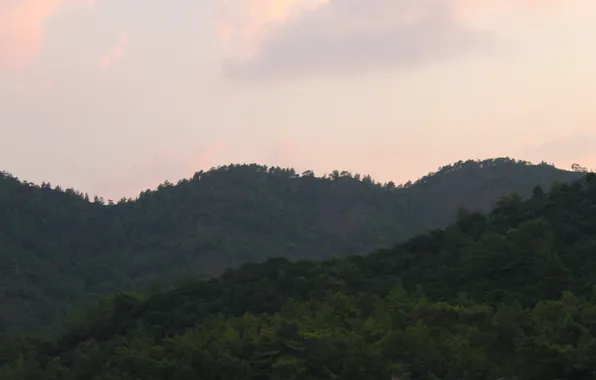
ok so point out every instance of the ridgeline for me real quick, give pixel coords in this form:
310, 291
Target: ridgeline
506, 294
58, 249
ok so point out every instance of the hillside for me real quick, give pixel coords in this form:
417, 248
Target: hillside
57, 248
510, 294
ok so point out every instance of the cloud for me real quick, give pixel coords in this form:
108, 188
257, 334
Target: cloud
115, 53
247, 20
22, 29
281, 38
468, 9
339, 36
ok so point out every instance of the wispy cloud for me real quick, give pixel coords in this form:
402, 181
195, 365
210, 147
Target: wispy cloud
22, 29
467, 7
297, 37
342, 36
115, 53
248, 21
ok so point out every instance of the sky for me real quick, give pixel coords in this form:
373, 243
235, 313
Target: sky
113, 97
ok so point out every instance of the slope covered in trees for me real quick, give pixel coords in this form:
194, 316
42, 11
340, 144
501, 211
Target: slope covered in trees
509, 294
58, 248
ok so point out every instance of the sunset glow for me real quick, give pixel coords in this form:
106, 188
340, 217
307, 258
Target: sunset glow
111, 97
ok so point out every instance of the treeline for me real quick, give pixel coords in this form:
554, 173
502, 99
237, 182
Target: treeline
509, 294
59, 249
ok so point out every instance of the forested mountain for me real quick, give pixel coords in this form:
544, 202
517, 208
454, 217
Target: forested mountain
58, 248
505, 295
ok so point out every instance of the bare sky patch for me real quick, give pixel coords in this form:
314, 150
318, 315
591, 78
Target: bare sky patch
569, 149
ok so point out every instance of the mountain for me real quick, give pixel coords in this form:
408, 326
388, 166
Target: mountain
58, 248
510, 294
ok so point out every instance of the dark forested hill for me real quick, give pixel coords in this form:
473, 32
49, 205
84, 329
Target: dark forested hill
509, 294
58, 248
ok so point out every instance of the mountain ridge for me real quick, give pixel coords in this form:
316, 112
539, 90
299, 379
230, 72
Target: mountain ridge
57, 249
506, 294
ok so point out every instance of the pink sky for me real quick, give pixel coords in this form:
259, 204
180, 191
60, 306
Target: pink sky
113, 97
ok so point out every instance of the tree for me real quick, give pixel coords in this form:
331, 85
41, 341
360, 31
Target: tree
578, 168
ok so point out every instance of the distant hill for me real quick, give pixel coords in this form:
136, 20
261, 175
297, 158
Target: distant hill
510, 294
58, 248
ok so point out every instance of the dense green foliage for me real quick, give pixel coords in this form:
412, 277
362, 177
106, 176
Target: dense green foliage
57, 248
353, 338
508, 294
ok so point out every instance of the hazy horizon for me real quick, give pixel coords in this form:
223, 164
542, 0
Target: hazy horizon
111, 97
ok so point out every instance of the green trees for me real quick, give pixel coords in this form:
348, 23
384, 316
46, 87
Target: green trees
58, 249
509, 294
341, 338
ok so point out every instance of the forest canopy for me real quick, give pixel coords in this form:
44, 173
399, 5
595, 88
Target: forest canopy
60, 249
505, 294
